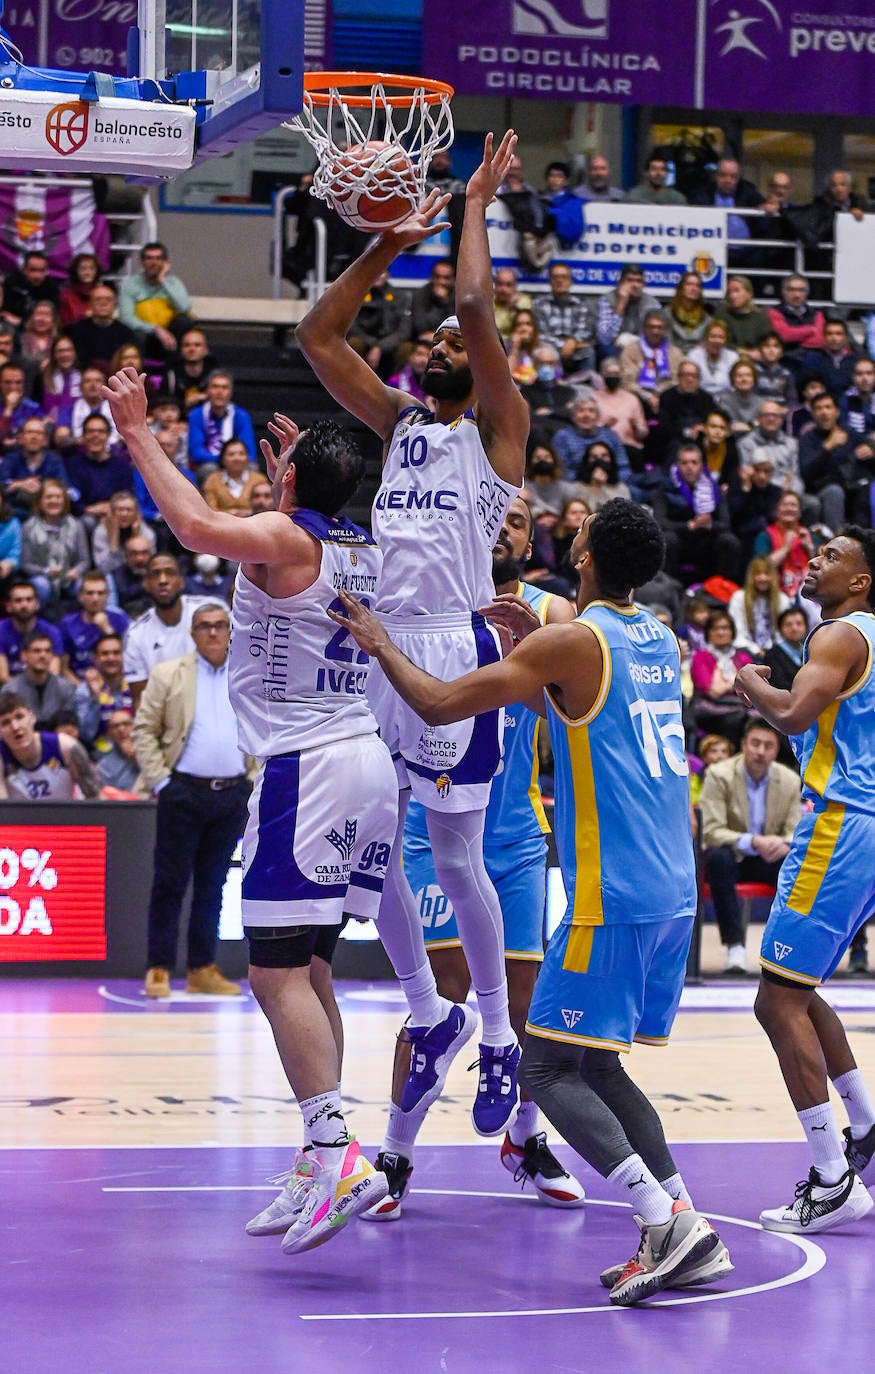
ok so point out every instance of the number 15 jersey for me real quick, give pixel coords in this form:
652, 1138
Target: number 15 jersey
622, 815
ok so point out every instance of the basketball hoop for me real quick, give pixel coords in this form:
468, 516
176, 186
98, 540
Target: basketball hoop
407, 115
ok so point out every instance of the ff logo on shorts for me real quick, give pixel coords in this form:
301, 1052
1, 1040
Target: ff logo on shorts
571, 1016
443, 785
781, 951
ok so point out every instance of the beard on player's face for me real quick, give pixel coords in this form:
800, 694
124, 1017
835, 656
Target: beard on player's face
444, 384
505, 567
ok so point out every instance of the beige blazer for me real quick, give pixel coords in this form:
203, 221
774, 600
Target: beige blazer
164, 719
725, 811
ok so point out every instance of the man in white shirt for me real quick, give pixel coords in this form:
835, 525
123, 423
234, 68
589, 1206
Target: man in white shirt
162, 632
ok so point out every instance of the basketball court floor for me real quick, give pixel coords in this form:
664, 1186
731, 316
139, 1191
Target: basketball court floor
137, 1139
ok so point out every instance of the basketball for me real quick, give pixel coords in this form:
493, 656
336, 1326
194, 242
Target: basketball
374, 185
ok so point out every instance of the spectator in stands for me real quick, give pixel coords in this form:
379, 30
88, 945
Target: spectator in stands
752, 499
740, 401
123, 521
169, 428
440, 176
572, 441
7, 339
523, 342
526, 211
24, 469
215, 422
382, 324
230, 488
54, 545
507, 299
596, 184
10, 542
21, 619
649, 365
90, 402
431, 303
74, 301
756, 606
98, 335
732, 192
815, 223
15, 407
566, 321
43, 691
710, 749
118, 766
38, 334
692, 512
82, 630
835, 361
686, 315
210, 576
621, 410
95, 470
825, 454
162, 632
750, 807
746, 324
129, 580
563, 534
715, 706
621, 312
784, 655
411, 370
801, 417
788, 543
154, 302
597, 478
564, 211
797, 324
857, 405
653, 189
857, 417
261, 497
714, 358
101, 692
32, 283
129, 355
768, 439
718, 447
548, 398
545, 488
774, 380
60, 381
187, 381
683, 409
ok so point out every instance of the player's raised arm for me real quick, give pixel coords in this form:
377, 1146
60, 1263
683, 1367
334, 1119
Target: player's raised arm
502, 414
837, 658
321, 335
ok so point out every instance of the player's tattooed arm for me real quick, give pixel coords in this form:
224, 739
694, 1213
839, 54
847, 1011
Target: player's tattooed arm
83, 771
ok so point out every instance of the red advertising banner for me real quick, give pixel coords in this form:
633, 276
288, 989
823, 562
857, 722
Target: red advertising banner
52, 892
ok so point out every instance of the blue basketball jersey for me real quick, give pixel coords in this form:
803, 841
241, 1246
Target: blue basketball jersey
622, 816
837, 753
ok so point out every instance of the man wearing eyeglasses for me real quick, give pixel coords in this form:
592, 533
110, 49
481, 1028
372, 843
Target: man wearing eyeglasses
185, 734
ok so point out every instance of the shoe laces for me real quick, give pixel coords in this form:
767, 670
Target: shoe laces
537, 1158
808, 1206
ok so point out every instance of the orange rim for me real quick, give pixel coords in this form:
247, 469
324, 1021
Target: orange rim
319, 85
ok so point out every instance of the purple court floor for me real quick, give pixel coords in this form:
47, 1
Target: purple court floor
135, 1260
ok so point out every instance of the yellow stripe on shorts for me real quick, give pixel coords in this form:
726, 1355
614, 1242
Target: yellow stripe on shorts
578, 951
818, 853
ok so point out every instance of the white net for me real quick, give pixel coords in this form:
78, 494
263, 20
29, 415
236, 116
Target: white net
407, 127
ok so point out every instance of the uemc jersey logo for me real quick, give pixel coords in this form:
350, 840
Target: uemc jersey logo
561, 18
410, 499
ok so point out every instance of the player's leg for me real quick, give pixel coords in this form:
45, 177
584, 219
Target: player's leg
323, 984
223, 815
850, 1085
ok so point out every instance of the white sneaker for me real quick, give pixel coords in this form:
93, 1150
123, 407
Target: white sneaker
818, 1207
666, 1250
278, 1217
338, 1194
736, 959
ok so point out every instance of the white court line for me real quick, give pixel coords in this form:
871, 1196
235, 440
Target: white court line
179, 999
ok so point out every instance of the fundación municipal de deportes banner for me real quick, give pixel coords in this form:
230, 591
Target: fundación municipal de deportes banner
770, 55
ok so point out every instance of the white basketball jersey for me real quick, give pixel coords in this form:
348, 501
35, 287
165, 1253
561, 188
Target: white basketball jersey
49, 780
436, 518
297, 680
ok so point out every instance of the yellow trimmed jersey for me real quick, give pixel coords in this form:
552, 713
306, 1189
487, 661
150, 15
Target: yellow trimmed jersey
836, 754
622, 814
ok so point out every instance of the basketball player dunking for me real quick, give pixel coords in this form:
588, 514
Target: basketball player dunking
448, 479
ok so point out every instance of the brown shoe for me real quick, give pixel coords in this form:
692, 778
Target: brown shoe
210, 980
157, 982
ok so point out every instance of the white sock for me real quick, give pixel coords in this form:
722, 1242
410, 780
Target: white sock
524, 1124
676, 1188
858, 1104
824, 1141
457, 849
637, 1185
402, 1130
427, 1007
324, 1125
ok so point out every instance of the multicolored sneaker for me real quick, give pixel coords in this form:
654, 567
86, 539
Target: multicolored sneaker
684, 1240
297, 1183
860, 1153
397, 1169
432, 1051
713, 1267
338, 1193
820, 1207
497, 1093
535, 1160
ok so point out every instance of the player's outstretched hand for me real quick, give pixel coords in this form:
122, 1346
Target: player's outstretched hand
421, 224
126, 393
486, 180
288, 433
747, 674
362, 624
512, 613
